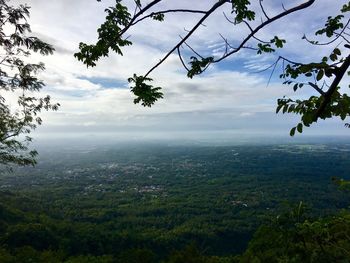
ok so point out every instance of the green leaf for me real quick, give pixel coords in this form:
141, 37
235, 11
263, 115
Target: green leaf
158, 17
345, 8
278, 42
295, 87
292, 131
264, 48
333, 57
320, 75
300, 128
337, 51
279, 107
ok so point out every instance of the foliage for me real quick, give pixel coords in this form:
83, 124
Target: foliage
322, 76
19, 82
144, 92
155, 203
117, 18
343, 184
292, 240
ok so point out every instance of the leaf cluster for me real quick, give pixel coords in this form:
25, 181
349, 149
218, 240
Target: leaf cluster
198, 66
267, 48
145, 93
19, 77
109, 36
329, 102
332, 25
242, 11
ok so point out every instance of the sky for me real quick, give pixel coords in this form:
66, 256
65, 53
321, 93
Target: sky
230, 98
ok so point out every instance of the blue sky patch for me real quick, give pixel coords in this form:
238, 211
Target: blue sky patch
107, 83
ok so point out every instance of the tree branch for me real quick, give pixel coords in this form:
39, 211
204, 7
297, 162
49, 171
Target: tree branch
142, 11
207, 14
182, 61
269, 21
334, 86
169, 11
263, 10
317, 88
338, 35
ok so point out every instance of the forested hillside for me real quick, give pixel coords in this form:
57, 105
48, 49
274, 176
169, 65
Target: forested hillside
158, 203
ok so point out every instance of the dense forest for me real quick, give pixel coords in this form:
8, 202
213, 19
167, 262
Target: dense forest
163, 203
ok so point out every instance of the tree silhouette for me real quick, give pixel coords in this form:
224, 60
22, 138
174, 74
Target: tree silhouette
19, 82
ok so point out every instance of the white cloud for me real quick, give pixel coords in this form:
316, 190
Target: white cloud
221, 95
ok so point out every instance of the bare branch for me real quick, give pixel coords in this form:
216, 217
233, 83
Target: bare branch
169, 11
142, 11
263, 10
251, 30
317, 88
344, 38
338, 35
182, 62
207, 14
192, 49
227, 45
284, 7
273, 65
228, 20
247, 24
267, 22
290, 61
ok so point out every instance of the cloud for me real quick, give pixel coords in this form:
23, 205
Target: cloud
225, 97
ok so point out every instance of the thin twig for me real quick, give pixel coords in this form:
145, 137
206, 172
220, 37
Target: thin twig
192, 49
182, 62
208, 13
332, 41
317, 88
169, 11
263, 10
267, 22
